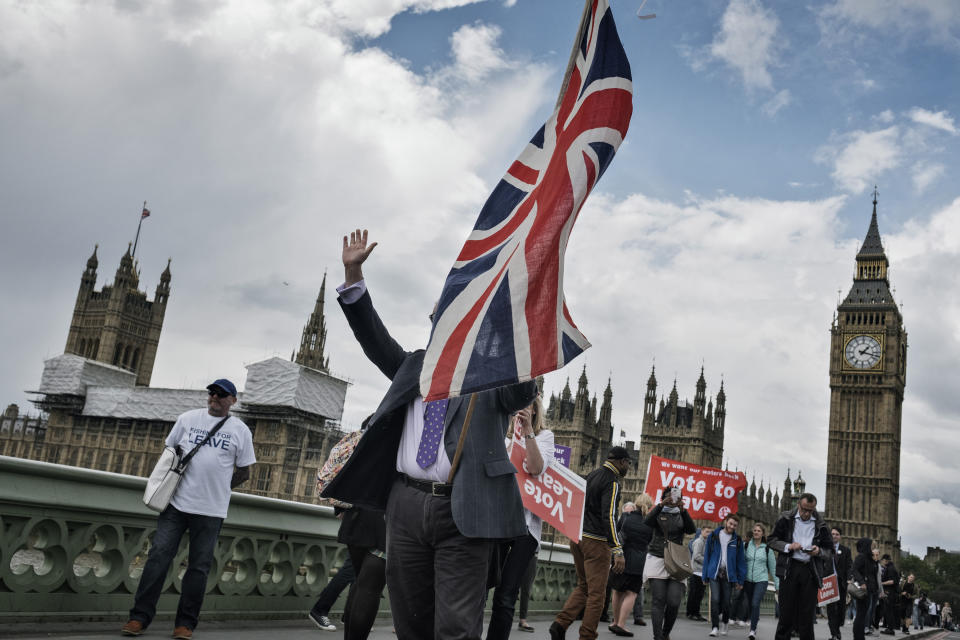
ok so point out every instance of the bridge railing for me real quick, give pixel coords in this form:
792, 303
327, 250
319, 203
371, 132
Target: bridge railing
73, 542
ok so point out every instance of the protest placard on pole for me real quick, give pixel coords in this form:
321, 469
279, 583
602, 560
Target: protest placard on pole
708, 493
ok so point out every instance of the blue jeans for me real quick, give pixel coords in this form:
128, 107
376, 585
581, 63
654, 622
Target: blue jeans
171, 525
719, 601
753, 592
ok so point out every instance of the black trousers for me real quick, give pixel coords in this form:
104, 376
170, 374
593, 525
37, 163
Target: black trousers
891, 611
798, 601
344, 578
835, 612
695, 597
436, 577
505, 595
363, 602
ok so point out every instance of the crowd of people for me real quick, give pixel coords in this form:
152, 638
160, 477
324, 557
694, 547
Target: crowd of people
430, 508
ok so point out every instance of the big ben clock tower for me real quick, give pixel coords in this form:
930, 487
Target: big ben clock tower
868, 368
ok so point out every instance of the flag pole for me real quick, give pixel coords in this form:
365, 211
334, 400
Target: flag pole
139, 224
571, 63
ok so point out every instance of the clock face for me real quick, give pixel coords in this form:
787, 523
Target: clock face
863, 352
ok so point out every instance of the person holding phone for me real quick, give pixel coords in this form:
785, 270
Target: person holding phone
804, 546
669, 521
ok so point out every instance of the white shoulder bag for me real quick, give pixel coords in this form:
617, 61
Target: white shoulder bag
166, 474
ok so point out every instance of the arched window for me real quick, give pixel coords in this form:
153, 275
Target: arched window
126, 356
136, 358
117, 353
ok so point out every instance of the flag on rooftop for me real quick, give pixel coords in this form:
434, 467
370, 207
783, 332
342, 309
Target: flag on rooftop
502, 317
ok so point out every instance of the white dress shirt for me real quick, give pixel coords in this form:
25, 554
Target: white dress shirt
412, 423
803, 531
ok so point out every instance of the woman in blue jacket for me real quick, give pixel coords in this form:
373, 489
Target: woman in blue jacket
760, 566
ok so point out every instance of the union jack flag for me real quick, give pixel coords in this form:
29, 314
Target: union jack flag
502, 317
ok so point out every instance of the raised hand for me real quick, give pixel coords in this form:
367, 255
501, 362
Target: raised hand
355, 253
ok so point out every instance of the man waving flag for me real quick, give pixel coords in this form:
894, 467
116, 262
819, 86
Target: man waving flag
501, 317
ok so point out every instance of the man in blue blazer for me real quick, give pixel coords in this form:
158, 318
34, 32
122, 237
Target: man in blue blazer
438, 533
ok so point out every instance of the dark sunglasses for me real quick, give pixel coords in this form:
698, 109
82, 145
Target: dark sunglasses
218, 392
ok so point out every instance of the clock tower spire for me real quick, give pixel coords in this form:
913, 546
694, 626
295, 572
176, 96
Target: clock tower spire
868, 350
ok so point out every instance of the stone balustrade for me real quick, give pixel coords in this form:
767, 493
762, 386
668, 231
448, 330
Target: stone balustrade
73, 542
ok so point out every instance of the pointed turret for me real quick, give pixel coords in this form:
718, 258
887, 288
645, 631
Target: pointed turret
700, 398
650, 400
314, 337
163, 289
871, 285
720, 413
126, 277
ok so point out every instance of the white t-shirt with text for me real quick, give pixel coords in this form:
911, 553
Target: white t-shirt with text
205, 487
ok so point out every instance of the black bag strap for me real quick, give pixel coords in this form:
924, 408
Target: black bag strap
186, 459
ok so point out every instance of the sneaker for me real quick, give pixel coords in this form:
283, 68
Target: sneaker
723, 628
322, 621
713, 632
741, 623
182, 633
132, 628
752, 635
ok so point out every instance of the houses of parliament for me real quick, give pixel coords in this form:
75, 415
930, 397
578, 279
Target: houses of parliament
98, 410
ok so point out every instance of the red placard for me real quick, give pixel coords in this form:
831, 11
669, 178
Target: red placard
556, 496
830, 592
708, 493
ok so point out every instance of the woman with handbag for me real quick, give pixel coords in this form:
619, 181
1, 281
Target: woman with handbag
669, 521
864, 586
635, 536
520, 553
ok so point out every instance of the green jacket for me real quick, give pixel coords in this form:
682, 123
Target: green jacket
760, 563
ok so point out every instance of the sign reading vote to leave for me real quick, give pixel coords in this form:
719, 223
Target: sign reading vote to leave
708, 493
556, 496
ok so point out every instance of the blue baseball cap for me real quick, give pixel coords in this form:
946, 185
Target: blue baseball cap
225, 385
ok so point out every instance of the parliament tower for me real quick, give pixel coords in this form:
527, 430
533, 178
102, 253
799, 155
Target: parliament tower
314, 338
118, 325
868, 369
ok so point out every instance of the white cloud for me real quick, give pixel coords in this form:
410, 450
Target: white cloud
777, 102
748, 42
859, 157
884, 117
475, 51
932, 20
930, 523
924, 174
936, 119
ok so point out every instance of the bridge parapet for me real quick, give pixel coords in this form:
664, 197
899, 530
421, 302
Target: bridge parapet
73, 542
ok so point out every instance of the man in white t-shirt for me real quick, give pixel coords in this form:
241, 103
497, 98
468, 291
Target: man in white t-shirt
222, 461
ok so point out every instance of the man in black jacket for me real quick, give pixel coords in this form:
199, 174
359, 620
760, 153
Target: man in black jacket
843, 561
592, 555
890, 581
804, 545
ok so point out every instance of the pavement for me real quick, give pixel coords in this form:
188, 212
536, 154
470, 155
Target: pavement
304, 629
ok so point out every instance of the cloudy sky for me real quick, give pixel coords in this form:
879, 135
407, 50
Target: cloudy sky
260, 132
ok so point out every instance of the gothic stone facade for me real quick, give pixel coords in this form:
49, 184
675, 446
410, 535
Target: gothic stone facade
868, 373
118, 325
99, 412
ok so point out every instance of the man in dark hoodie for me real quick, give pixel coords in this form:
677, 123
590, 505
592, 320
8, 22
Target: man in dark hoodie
864, 574
804, 547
